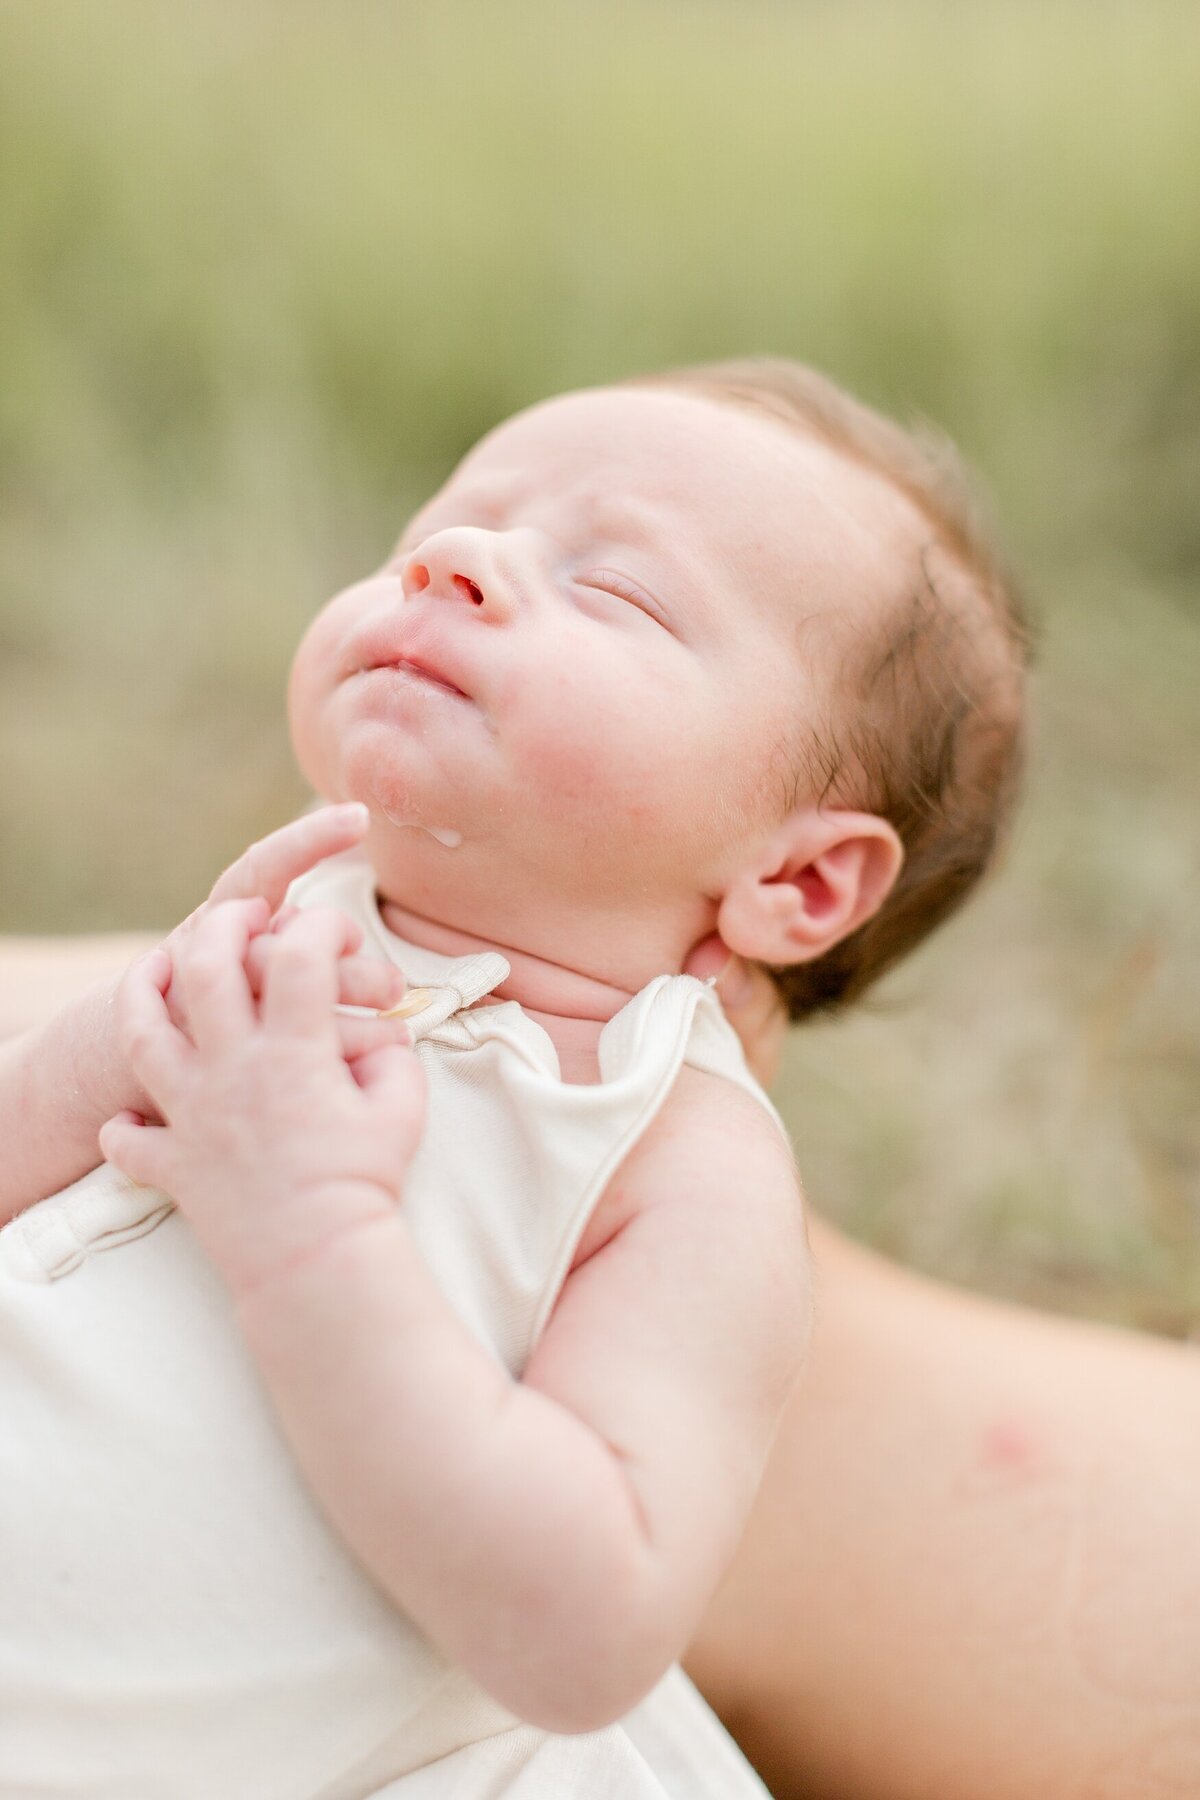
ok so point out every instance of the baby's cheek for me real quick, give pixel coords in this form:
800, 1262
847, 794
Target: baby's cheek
314, 688
303, 705
570, 734
634, 760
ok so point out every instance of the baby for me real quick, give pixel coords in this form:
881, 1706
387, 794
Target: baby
709, 665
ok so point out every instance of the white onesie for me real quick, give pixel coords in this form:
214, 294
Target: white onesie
176, 1620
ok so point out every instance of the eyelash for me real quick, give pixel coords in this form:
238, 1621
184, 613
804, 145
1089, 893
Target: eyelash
608, 581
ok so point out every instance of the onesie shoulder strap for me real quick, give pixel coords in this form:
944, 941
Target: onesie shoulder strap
714, 1046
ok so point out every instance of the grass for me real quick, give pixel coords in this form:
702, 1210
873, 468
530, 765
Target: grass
268, 271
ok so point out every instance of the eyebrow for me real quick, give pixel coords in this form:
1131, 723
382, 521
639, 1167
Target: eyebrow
610, 515
621, 519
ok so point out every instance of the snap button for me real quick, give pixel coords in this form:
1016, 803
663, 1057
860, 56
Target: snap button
417, 1000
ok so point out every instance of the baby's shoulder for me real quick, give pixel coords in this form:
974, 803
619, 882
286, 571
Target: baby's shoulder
714, 1154
719, 1144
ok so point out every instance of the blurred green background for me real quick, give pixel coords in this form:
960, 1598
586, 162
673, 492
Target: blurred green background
266, 271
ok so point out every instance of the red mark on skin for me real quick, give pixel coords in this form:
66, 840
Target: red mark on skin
1009, 1457
1009, 1448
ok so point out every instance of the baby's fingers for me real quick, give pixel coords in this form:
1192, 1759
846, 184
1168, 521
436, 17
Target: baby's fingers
367, 981
211, 975
394, 1082
300, 981
158, 1053
138, 1150
362, 980
360, 1034
268, 868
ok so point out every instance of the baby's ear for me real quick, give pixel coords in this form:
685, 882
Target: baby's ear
814, 881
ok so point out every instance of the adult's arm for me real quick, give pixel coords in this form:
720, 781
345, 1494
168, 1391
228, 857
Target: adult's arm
52, 1099
973, 1571
41, 975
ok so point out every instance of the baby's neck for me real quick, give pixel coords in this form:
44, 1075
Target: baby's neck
539, 985
571, 1007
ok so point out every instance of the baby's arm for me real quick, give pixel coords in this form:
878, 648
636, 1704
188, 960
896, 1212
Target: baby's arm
39, 976
62, 1079
561, 1536
675, 1347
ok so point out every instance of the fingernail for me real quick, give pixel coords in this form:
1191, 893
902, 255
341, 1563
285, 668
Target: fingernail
354, 812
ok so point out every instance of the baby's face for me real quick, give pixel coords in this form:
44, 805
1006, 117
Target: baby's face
597, 651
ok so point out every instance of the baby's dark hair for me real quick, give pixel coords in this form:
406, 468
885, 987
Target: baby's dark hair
929, 727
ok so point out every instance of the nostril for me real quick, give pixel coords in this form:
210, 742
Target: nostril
470, 590
418, 577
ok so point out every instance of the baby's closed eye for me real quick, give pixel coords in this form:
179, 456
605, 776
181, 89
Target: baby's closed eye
621, 587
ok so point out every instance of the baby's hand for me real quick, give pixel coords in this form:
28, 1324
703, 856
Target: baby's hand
264, 872
365, 982
273, 1142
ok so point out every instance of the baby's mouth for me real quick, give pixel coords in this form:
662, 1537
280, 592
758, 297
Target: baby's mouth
412, 669
389, 643
409, 666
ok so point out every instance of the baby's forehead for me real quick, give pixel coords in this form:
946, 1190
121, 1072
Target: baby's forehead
610, 459
752, 500
494, 492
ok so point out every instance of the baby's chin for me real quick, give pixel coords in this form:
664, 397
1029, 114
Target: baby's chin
340, 758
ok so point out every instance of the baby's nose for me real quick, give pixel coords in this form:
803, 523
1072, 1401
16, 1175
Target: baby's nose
456, 565
417, 578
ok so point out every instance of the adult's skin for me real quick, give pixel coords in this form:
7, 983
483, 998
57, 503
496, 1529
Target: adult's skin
973, 1571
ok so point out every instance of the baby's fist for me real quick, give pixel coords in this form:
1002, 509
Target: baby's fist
272, 1143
